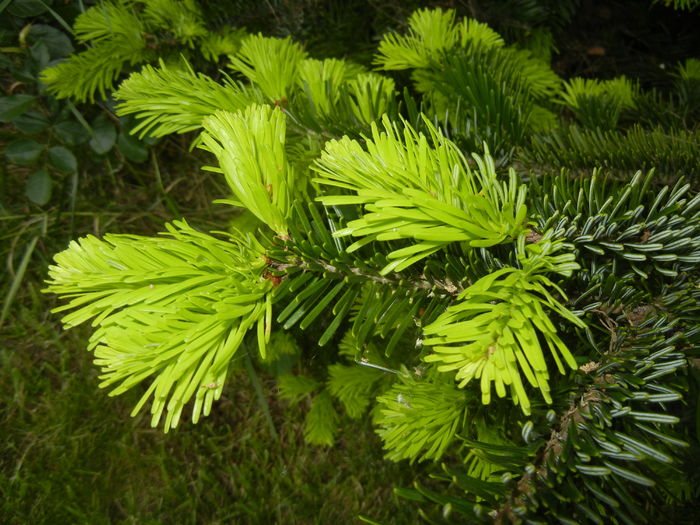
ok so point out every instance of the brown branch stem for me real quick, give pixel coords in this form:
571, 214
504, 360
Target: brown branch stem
443, 288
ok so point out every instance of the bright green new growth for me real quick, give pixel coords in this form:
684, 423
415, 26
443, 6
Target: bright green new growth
106, 59
337, 95
472, 83
250, 148
171, 309
323, 95
124, 33
431, 32
492, 332
417, 188
176, 100
412, 191
270, 63
320, 425
294, 388
352, 386
413, 188
182, 17
419, 419
434, 35
222, 43
690, 69
599, 102
619, 90
322, 80
107, 21
371, 96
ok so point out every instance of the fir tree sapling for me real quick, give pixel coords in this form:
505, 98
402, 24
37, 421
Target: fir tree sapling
431, 274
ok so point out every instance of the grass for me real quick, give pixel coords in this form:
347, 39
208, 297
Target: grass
71, 454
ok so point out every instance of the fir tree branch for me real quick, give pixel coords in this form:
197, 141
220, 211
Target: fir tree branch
631, 371
94, 71
176, 99
171, 309
249, 146
528, 483
419, 188
431, 287
271, 63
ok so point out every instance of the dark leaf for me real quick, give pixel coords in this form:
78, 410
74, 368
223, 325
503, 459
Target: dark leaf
132, 148
26, 8
71, 132
23, 151
25, 73
32, 122
57, 42
40, 53
104, 135
38, 188
62, 159
13, 106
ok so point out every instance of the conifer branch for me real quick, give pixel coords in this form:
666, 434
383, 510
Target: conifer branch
608, 395
396, 280
383, 233
529, 483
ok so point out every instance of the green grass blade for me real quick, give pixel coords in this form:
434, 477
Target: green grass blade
19, 276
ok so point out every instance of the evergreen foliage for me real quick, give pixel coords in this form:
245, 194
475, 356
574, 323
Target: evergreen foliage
424, 262
160, 114
418, 419
320, 427
352, 386
124, 33
177, 307
687, 5
493, 331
